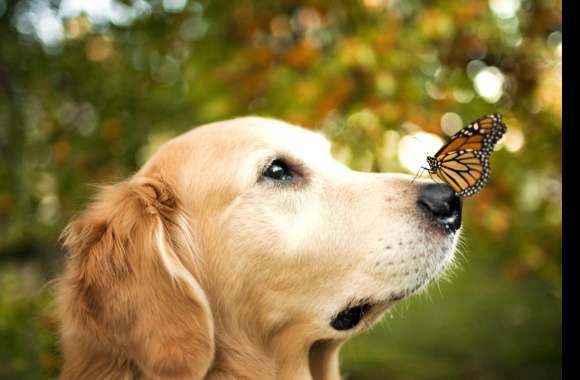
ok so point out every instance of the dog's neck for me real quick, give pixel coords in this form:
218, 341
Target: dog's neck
256, 343
243, 356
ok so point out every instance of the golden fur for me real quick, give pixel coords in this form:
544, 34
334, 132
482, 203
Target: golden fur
196, 267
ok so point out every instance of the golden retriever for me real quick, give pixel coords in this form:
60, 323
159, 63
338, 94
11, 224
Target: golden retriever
243, 250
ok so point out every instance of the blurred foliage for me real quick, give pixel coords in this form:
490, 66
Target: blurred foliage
88, 91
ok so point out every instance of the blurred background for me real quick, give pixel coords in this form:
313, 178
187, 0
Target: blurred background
89, 89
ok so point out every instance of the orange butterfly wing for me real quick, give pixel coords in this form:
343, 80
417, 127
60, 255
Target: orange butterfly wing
459, 144
464, 161
464, 172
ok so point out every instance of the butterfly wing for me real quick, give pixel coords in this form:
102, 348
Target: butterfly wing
459, 143
487, 130
485, 125
464, 161
466, 172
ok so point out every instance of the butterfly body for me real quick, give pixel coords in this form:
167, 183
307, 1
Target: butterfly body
464, 161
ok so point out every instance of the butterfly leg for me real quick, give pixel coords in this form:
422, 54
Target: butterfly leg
419, 173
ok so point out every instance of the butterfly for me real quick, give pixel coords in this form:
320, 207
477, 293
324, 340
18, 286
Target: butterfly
464, 161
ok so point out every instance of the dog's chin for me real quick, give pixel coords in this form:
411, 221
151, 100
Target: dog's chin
365, 311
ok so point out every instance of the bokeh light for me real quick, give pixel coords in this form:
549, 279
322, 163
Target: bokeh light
414, 148
489, 84
174, 6
451, 123
505, 9
514, 139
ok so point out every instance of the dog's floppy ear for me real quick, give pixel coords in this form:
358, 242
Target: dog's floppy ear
129, 297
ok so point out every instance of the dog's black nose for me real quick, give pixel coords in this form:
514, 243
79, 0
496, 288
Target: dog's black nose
442, 202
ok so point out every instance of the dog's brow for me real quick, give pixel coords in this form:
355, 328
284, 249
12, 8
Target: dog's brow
294, 163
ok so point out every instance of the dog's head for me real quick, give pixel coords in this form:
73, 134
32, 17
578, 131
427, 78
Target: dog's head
274, 241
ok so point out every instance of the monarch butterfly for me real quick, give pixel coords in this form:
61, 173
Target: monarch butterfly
464, 161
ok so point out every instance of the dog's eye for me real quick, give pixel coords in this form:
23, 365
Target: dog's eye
279, 171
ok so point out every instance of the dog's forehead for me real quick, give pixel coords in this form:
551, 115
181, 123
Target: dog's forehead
296, 141
258, 138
